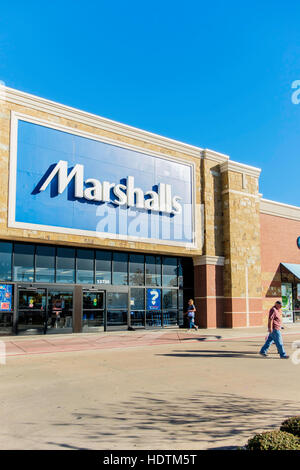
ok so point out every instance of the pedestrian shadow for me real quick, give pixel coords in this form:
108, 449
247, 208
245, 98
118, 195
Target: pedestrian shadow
67, 446
200, 338
214, 353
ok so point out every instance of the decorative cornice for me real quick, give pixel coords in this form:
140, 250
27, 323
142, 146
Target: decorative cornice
217, 157
240, 168
208, 259
41, 104
241, 193
279, 209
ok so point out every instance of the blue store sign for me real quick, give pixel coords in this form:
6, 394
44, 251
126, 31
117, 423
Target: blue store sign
70, 183
153, 299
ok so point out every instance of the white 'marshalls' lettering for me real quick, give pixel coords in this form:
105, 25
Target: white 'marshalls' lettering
161, 201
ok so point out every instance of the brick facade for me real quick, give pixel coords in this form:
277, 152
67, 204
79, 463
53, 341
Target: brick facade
278, 245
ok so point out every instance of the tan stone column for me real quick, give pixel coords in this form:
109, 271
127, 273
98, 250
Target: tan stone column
211, 198
241, 225
208, 267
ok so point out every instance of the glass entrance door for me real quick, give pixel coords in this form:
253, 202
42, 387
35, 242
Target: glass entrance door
93, 311
117, 310
60, 311
32, 311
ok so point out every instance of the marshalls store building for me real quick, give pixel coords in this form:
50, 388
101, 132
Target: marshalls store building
104, 226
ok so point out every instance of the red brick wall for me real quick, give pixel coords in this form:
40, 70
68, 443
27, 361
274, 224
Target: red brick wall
278, 244
209, 293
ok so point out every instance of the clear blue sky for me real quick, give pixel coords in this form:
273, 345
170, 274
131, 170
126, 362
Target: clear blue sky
213, 74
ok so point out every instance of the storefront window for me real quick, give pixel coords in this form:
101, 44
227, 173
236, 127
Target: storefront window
32, 310
170, 271
65, 267
169, 298
23, 262
60, 311
103, 267
136, 270
297, 303
117, 300
93, 310
45, 264
137, 307
85, 267
6, 322
287, 302
5, 261
185, 272
180, 306
170, 309
154, 298
180, 299
120, 269
137, 299
153, 270
117, 309
154, 318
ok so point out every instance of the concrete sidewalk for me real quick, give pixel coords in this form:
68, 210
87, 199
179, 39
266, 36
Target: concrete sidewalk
113, 391
56, 343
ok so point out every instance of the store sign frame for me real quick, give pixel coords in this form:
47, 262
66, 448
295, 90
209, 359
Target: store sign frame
165, 197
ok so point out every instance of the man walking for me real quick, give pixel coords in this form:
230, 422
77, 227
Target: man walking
274, 328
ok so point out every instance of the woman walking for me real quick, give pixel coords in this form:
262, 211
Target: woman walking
191, 315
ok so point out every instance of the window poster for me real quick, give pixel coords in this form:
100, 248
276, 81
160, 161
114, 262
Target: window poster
287, 302
153, 299
5, 297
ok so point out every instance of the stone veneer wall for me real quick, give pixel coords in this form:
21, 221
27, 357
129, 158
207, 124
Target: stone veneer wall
208, 268
242, 267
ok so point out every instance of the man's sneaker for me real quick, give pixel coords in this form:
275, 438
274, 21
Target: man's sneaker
263, 355
284, 357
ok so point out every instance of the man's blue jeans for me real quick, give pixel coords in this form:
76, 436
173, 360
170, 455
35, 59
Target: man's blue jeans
274, 337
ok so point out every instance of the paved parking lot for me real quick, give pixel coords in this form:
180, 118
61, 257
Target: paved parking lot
194, 392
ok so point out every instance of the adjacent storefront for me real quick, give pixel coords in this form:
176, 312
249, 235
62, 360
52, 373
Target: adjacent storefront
290, 290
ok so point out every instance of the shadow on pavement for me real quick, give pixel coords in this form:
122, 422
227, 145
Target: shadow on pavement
171, 420
217, 353
67, 446
201, 338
